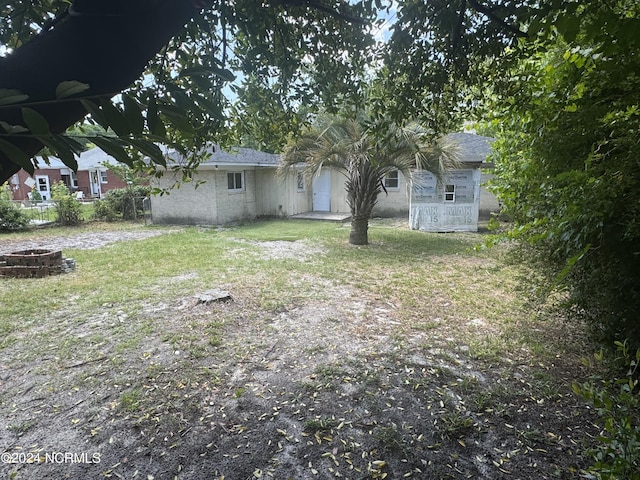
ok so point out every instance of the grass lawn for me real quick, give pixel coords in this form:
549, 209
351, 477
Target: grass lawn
415, 356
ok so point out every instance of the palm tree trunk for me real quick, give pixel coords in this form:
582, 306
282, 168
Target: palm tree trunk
362, 195
359, 234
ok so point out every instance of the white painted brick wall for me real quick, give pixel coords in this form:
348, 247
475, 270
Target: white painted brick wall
187, 205
210, 204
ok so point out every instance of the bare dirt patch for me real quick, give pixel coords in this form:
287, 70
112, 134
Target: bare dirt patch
83, 241
335, 386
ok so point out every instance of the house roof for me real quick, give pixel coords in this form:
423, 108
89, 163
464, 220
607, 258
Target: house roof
91, 159
54, 163
472, 148
94, 159
240, 157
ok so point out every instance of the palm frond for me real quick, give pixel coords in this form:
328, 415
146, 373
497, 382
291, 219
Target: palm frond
359, 149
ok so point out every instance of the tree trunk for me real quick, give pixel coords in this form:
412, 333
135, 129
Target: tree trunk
362, 194
359, 234
363, 188
104, 44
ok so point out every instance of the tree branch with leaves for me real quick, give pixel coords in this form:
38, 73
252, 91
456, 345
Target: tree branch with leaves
62, 62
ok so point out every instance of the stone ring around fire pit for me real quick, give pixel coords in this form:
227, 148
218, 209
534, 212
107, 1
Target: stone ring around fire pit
35, 263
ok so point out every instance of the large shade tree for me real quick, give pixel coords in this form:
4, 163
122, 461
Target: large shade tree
171, 61
444, 57
365, 153
61, 59
560, 80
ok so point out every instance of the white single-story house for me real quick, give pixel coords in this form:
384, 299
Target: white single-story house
229, 187
244, 184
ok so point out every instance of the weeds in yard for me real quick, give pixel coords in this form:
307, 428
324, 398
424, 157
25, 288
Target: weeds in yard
390, 437
531, 437
454, 424
465, 386
481, 401
315, 349
330, 372
130, 400
22, 428
314, 425
354, 359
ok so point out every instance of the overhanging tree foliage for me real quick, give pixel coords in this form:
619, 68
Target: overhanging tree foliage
284, 53
443, 55
93, 49
63, 61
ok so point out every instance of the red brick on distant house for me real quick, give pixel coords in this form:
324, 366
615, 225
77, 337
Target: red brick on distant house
93, 179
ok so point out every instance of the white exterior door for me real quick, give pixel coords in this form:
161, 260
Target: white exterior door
94, 180
322, 192
42, 183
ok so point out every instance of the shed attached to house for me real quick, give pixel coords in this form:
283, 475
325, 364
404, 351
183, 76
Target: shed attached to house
398, 193
452, 203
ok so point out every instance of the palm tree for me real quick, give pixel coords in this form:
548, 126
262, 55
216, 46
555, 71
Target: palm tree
365, 155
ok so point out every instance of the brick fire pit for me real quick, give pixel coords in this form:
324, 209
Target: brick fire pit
36, 263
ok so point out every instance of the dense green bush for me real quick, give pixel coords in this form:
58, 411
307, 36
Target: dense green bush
36, 197
617, 454
569, 178
104, 211
67, 207
126, 203
11, 218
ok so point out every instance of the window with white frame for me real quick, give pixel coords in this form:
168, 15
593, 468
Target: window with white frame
391, 180
74, 179
235, 181
103, 177
301, 182
450, 193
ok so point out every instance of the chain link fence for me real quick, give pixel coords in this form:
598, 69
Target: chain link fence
128, 208
37, 212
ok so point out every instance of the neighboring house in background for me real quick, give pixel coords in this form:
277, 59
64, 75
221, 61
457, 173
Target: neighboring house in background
245, 184
92, 179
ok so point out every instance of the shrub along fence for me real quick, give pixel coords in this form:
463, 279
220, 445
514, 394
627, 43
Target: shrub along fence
124, 204
15, 215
